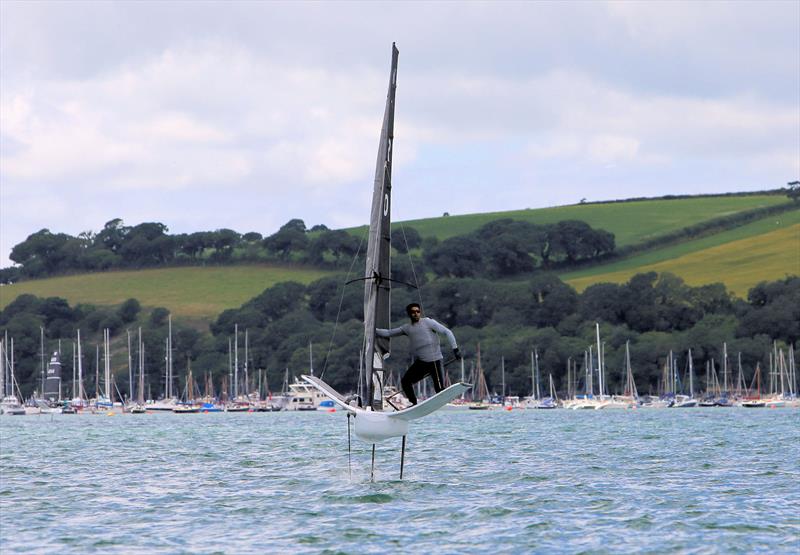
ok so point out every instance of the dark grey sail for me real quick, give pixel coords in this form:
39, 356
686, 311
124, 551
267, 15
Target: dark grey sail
377, 288
52, 385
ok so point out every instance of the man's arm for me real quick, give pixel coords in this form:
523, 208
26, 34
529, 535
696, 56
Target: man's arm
394, 332
439, 328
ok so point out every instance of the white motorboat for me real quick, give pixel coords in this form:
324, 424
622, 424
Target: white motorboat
684, 402
11, 406
304, 397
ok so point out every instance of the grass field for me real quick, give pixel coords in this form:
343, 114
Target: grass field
767, 249
191, 293
739, 264
630, 222
759, 227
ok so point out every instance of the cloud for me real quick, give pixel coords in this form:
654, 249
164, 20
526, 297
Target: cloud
244, 115
190, 116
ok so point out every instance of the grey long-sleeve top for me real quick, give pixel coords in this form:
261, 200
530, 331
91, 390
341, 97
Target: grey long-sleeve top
424, 338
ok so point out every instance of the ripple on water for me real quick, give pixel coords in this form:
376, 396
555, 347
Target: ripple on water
372, 498
564, 482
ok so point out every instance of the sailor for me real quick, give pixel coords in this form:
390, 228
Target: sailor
427, 353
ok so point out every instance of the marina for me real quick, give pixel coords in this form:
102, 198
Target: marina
584, 389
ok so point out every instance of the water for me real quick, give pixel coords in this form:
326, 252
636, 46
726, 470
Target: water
690, 481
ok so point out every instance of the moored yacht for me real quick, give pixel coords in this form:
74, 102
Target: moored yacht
684, 402
611, 403
162, 405
11, 406
582, 402
304, 397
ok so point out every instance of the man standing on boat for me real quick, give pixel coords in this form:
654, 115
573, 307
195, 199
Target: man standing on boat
423, 335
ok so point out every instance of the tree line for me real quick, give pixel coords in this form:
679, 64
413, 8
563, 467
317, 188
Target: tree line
498, 249
655, 313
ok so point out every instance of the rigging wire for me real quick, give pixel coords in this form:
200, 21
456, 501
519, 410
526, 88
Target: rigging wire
339, 310
411, 262
347, 280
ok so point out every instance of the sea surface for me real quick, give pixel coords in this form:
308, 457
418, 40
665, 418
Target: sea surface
647, 481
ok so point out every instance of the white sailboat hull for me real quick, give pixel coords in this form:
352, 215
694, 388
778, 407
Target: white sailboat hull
372, 427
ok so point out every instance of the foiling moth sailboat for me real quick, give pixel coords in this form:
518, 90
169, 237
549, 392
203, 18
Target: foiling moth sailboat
372, 424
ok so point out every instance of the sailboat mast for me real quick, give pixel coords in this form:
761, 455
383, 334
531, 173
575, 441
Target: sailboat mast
74, 370
246, 370
169, 357
130, 369
758, 380
166, 369
462, 375
41, 331
3, 368
569, 377
533, 377
107, 347
96, 373
599, 361
310, 359
589, 373
739, 375
782, 369
141, 368
725, 366
11, 380
503, 378
236, 361
377, 273
80, 394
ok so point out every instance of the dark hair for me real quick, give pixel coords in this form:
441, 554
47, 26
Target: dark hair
412, 305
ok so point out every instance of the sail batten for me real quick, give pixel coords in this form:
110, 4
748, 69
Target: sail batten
377, 287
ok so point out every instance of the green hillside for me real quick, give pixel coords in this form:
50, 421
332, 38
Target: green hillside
740, 264
630, 222
764, 250
192, 293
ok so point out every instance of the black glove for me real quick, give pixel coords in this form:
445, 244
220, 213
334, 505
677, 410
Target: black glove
457, 353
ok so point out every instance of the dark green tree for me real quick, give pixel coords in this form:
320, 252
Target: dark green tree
290, 238
129, 310
460, 256
158, 316
113, 235
252, 237
405, 238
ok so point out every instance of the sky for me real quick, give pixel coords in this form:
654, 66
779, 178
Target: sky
244, 115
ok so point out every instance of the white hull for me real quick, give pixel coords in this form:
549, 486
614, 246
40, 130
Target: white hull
613, 405
372, 427
582, 404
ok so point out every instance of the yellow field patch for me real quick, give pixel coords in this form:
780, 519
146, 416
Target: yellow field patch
739, 264
196, 293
